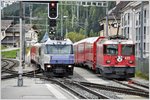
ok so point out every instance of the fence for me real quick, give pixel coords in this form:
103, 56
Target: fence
142, 65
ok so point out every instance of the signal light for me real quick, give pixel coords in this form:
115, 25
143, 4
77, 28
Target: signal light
52, 4
53, 10
52, 22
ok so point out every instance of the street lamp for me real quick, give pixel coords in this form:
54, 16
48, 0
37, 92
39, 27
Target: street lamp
65, 17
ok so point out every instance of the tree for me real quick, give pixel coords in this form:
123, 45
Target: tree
74, 37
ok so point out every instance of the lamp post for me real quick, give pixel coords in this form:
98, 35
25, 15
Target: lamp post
86, 20
65, 17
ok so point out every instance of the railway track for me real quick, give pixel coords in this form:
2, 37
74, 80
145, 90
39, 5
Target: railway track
116, 89
75, 88
87, 90
133, 87
139, 84
10, 64
84, 90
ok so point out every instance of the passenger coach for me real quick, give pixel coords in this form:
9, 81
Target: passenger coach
111, 57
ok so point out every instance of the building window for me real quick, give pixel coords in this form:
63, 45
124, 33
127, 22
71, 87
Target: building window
145, 15
144, 32
128, 18
128, 32
3, 34
144, 46
137, 34
139, 18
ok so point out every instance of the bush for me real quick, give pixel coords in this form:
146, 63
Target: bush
141, 75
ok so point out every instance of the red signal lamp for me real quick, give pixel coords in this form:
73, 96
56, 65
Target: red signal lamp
52, 4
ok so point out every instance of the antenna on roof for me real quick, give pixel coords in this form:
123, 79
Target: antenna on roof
118, 30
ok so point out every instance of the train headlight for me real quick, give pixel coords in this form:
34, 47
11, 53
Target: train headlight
108, 61
48, 66
69, 66
130, 62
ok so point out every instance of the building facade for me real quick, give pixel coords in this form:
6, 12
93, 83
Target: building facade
131, 26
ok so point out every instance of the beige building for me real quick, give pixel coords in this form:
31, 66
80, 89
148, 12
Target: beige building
31, 37
112, 26
114, 16
5, 24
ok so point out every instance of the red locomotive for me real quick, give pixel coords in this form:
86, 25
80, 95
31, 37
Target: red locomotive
112, 57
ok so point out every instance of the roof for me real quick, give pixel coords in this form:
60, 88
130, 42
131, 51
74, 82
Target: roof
116, 11
5, 24
65, 41
16, 28
89, 40
119, 7
10, 39
118, 41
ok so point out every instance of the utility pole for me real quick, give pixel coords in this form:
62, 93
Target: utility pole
141, 32
86, 20
61, 20
20, 71
77, 11
23, 34
107, 19
0, 36
30, 8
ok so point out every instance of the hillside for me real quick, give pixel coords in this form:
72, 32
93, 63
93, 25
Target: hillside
86, 24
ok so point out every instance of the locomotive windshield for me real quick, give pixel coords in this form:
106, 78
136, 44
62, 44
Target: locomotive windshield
59, 49
127, 49
111, 49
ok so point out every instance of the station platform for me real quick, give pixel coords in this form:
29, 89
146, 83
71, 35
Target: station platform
33, 88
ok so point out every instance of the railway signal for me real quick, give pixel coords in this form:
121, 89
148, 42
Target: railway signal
52, 22
52, 31
53, 10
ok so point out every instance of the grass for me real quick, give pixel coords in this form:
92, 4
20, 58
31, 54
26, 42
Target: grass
3, 47
10, 54
141, 75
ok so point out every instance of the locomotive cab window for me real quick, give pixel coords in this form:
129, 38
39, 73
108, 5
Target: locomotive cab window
110, 49
59, 49
128, 49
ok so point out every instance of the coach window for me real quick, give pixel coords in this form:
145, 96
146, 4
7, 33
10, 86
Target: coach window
111, 49
39, 51
128, 50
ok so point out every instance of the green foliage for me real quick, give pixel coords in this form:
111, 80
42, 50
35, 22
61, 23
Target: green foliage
87, 22
11, 10
141, 75
75, 36
10, 54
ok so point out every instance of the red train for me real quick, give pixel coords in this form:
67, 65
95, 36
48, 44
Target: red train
112, 57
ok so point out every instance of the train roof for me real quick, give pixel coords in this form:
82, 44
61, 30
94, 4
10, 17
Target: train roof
65, 41
89, 40
106, 41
